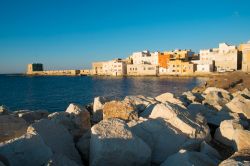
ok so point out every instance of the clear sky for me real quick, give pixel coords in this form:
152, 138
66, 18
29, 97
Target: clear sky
70, 34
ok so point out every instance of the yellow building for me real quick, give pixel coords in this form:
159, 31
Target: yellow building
180, 54
179, 67
245, 49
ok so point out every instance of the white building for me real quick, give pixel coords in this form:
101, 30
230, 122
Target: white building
204, 65
115, 68
226, 57
145, 57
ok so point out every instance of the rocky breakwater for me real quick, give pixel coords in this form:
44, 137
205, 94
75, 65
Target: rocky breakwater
208, 128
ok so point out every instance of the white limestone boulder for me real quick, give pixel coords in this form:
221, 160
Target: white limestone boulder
4, 110
57, 138
213, 117
76, 119
168, 97
194, 126
112, 143
160, 136
189, 97
120, 109
225, 133
240, 105
27, 150
241, 139
140, 102
11, 127
216, 98
32, 116
189, 158
240, 158
97, 108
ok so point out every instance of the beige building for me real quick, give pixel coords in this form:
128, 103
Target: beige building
226, 57
115, 67
204, 66
142, 70
179, 67
245, 50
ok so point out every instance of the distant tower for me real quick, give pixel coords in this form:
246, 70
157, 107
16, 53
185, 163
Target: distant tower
34, 67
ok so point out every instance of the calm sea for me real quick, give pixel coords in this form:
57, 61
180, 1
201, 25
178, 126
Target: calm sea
56, 93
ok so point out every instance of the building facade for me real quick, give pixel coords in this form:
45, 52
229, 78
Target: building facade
145, 57
226, 57
142, 70
163, 59
179, 67
245, 51
34, 68
204, 65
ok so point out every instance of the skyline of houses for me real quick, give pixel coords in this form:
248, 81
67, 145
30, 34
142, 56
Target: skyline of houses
225, 58
178, 62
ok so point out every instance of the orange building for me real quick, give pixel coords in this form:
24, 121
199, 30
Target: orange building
163, 59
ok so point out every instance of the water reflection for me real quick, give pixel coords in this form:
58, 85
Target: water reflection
55, 93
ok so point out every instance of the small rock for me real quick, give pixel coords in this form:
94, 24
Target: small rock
97, 108
241, 139
140, 102
168, 97
240, 158
4, 110
32, 116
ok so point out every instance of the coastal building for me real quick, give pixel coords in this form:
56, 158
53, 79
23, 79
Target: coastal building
117, 67
180, 54
180, 67
97, 68
163, 60
245, 50
204, 66
142, 70
226, 57
37, 69
145, 57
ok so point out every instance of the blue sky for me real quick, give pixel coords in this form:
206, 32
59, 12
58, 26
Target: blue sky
70, 34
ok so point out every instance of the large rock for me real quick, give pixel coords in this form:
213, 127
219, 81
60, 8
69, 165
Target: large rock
97, 108
32, 116
189, 97
210, 151
213, 117
11, 127
57, 138
76, 119
83, 145
28, 149
193, 125
240, 105
4, 110
60, 160
120, 109
225, 133
189, 158
216, 98
242, 139
168, 97
161, 137
140, 102
112, 143
240, 158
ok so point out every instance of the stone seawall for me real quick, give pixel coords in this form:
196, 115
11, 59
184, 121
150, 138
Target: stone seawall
198, 128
